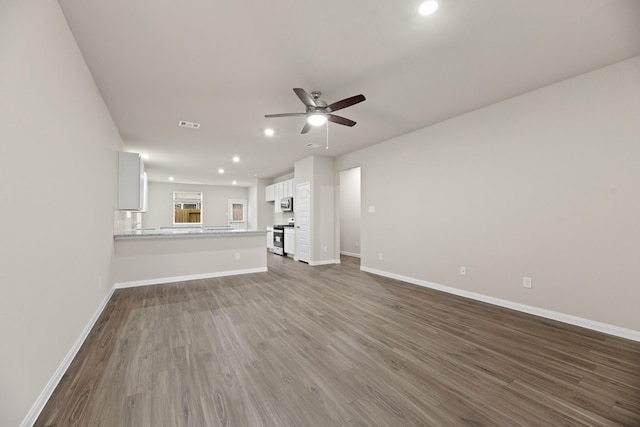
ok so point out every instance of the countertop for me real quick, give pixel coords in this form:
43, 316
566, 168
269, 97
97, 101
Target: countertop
165, 232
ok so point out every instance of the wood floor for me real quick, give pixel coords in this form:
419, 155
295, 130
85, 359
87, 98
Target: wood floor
333, 346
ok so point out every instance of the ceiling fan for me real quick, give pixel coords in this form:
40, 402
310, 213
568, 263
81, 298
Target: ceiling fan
318, 112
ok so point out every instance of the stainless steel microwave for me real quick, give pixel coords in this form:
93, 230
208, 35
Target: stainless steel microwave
286, 204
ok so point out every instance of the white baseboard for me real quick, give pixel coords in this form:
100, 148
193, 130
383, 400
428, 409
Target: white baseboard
326, 262
536, 311
353, 254
42, 400
162, 280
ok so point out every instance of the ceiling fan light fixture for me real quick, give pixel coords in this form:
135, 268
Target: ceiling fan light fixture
428, 7
317, 119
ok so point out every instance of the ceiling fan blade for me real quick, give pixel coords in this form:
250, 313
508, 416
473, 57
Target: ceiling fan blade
340, 120
306, 128
305, 97
347, 102
286, 115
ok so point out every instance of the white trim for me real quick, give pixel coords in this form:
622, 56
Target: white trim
326, 262
353, 254
46, 393
162, 280
536, 311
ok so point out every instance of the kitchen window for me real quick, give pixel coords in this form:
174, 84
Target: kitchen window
187, 208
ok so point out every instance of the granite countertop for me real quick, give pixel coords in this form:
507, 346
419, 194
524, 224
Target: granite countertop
164, 232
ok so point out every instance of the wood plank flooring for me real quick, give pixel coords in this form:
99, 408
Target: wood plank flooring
333, 346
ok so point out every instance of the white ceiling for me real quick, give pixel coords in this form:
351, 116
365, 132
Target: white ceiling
225, 64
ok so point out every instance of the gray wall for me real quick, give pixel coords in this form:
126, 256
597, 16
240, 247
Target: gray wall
214, 206
545, 185
58, 179
320, 172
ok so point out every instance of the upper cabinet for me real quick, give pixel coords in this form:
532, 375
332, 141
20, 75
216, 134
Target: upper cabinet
277, 191
269, 193
132, 182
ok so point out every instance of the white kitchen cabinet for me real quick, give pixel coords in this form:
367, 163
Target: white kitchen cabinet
269, 238
288, 188
276, 192
132, 182
269, 193
290, 240
278, 195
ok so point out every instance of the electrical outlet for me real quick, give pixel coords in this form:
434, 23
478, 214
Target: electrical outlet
357, 243
99, 281
324, 249
463, 271
380, 256
237, 255
526, 282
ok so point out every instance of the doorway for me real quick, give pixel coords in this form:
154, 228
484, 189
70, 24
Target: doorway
350, 201
237, 214
303, 221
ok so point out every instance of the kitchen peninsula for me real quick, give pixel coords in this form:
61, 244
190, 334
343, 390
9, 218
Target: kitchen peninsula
172, 254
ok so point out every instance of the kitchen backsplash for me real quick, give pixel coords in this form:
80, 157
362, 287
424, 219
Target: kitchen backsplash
124, 221
282, 217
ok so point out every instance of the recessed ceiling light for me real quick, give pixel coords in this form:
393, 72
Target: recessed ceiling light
145, 156
317, 119
234, 182
236, 159
428, 7
269, 132
221, 171
171, 178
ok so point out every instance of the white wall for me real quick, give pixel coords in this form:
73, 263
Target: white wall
265, 209
350, 211
214, 206
319, 171
170, 259
58, 167
545, 185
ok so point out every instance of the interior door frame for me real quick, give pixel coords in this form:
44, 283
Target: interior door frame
230, 204
299, 220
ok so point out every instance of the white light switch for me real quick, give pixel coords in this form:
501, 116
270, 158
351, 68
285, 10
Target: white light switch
372, 209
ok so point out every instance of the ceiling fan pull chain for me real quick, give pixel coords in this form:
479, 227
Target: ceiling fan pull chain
327, 134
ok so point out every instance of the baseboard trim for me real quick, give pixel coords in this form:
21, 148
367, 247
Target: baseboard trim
326, 262
536, 311
42, 400
353, 254
161, 280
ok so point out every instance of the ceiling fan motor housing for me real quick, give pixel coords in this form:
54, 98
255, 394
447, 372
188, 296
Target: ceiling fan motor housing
315, 106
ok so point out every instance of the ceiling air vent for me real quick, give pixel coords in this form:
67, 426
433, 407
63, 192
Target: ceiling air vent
310, 145
191, 125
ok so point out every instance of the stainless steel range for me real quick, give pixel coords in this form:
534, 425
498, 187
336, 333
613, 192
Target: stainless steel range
278, 238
